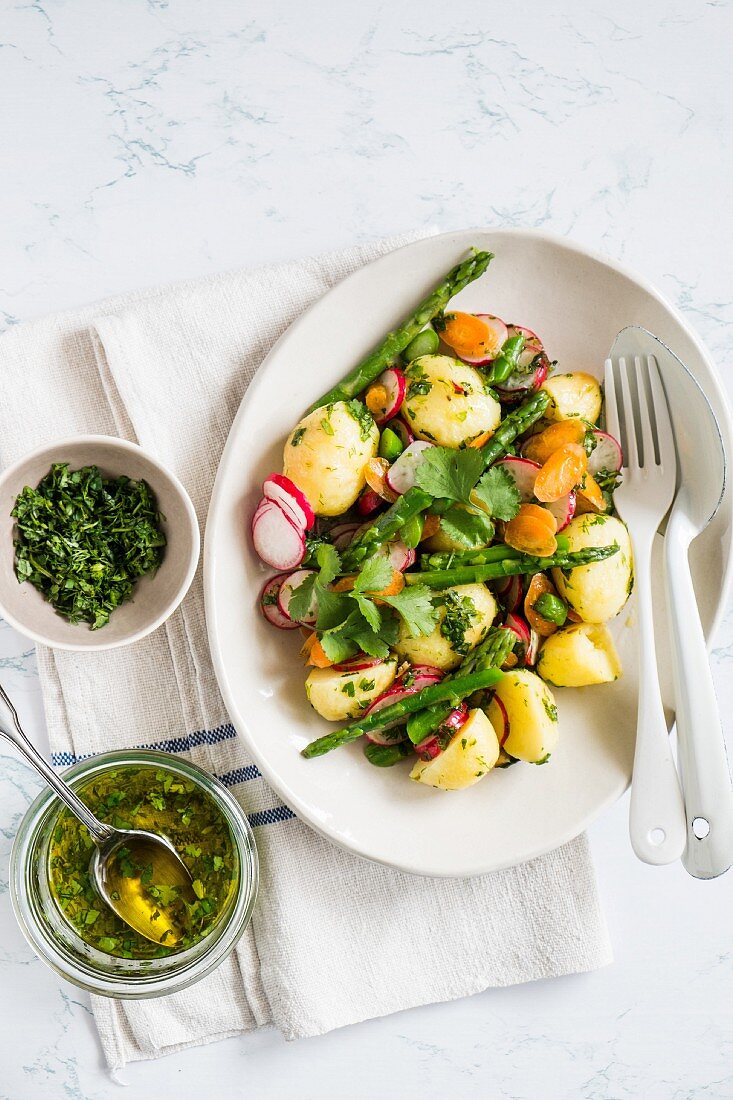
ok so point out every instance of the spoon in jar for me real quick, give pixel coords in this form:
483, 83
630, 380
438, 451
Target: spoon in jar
127, 863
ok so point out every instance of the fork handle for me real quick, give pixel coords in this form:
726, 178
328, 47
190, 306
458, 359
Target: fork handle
657, 815
700, 740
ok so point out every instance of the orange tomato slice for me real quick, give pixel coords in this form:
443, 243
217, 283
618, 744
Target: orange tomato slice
468, 335
532, 531
590, 495
537, 587
561, 473
375, 474
539, 447
376, 400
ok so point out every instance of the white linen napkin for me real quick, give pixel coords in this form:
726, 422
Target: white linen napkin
168, 369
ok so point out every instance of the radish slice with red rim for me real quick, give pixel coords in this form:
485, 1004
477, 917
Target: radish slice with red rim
498, 335
533, 648
342, 534
288, 586
521, 631
429, 748
368, 502
515, 593
392, 695
427, 670
276, 538
524, 474
281, 490
534, 366
394, 384
457, 718
270, 607
606, 455
563, 509
399, 556
401, 474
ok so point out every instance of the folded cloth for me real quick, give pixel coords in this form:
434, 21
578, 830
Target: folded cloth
168, 369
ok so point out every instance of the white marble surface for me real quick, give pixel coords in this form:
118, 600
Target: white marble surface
147, 142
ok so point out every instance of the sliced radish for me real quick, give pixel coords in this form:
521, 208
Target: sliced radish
385, 397
401, 474
515, 595
563, 509
389, 736
533, 648
503, 733
287, 588
607, 454
524, 474
368, 502
501, 587
399, 556
392, 695
360, 662
457, 718
293, 502
428, 670
342, 534
533, 368
276, 538
420, 680
529, 336
499, 334
270, 607
429, 748
402, 430
521, 631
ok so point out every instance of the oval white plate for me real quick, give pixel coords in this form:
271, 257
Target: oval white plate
578, 302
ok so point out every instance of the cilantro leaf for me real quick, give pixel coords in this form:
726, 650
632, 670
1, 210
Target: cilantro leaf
302, 597
449, 474
333, 608
369, 610
338, 646
376, 574
470, 529
329, 562
415, 605
498, 493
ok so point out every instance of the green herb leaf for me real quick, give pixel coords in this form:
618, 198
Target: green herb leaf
448, 474
375, 574
415, 606
302, 597
470, 529
363, 417
498, 494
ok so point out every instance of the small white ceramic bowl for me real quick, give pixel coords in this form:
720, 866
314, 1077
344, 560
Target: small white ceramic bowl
154, 598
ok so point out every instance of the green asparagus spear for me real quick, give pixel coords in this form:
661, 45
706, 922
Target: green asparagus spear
477, 574
506, 362
395, 342
385, 527
448, 690
446, 559
514, 425
492, 652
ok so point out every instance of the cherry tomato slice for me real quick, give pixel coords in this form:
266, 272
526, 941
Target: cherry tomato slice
561, 473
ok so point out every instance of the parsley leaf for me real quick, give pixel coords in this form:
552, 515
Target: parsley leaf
449, 474
362, 416
466, 527
415, 605
498, 494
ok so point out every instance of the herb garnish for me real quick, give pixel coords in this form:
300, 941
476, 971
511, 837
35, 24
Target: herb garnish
460, 614
84, 540
363, 417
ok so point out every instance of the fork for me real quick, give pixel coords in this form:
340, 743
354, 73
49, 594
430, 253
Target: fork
636, 411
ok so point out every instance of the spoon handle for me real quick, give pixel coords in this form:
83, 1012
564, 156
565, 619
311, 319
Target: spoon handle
11, 729
700, 741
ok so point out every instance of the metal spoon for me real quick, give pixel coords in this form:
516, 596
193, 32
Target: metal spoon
139, 852
701, 461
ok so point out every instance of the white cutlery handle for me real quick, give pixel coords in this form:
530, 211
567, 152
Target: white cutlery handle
657, 815
700, 740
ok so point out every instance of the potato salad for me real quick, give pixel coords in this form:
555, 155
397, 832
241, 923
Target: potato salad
445, 543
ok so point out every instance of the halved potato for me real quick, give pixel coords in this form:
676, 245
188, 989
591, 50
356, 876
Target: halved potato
578, 656
471, 754
532, 715
470, 606
339, 695
447, 401
574, 394
326, 453
597, 591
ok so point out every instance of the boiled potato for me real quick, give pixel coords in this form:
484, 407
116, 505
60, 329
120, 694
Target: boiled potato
340, 695
579, 655
463, 620
325, 456
470, 755
575, 394
447, 402
597, 591
532, 716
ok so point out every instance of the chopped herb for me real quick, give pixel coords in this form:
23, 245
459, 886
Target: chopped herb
363, 417
327, 426
550, 709
460, 614
349, 689
297, 437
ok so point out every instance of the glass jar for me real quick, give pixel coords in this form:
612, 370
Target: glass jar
58, 943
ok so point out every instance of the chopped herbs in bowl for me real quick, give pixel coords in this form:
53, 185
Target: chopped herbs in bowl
103, 539
84, 540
